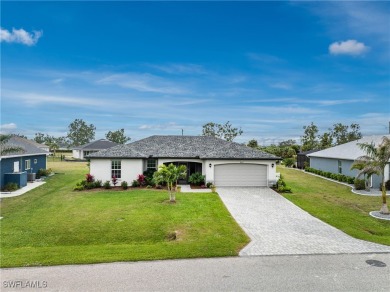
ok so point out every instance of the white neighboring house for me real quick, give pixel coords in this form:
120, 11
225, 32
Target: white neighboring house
339, 159
223, 163
81, 151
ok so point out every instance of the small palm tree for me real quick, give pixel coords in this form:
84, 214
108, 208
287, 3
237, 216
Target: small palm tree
7, 149
374, 162
170, 174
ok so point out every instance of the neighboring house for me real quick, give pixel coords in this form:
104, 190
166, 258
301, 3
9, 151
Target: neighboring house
303, 160
223, 163
16, 166
81, 151
338, 159
40, 146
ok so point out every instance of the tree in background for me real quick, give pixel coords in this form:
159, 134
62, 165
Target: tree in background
326, 140
375, 161
341, 134
310, 138
253, 144
80, 133
7, 149
225, 131
117, 136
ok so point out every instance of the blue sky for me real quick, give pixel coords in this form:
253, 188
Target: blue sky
156, 68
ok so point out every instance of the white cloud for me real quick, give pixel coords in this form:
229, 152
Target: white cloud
143, 82
20, 36
349, 47
180, 68
7, 128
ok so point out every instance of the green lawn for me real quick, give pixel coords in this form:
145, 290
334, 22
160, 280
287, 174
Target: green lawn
54, 225
337, 205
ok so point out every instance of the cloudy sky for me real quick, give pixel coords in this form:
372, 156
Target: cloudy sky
156, 68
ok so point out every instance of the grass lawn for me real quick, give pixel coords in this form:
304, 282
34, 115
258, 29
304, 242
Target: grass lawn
54, 225
337, 205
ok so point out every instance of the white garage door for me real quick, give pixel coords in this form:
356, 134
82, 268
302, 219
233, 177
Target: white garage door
250, 175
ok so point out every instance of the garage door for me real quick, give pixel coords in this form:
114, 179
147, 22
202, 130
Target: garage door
250, 175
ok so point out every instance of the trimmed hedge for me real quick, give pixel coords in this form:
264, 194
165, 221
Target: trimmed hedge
335, 176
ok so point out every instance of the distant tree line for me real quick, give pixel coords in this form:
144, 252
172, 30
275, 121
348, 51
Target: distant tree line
312, 140
79, 133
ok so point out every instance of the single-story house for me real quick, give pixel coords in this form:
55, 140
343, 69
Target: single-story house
223, 163
339, 159
18, 166
303, 160
40, 146
82, 151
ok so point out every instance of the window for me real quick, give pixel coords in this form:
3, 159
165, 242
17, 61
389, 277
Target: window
35, 161
116, 169
340, 168
151, 164
27, 164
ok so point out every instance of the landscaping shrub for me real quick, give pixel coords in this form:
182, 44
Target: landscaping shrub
335, 176
289, 162
149, 177
196, 179
114, 180
124, 185
43, 172
135, 183
281, 186
11, 186
89, 178
141, 180
360, 184
79, 188
98, 183
107, 184
209, 184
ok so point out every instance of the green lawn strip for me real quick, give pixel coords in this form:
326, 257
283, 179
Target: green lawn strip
337, 205
54, 225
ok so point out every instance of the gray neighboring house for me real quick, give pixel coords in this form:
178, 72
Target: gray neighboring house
80, 152
339, 159
223, 163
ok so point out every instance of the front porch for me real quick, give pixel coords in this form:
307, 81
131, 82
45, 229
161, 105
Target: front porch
192, 167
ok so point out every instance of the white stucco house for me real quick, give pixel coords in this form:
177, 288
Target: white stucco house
223, 163
339, 159
82, 151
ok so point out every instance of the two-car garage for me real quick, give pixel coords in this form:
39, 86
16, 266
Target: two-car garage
237, 174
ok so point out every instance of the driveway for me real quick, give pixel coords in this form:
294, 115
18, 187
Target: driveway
278, 227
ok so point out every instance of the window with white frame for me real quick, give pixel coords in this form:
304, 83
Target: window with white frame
16, 166
116, 168
27, 164
151, 164
35, 161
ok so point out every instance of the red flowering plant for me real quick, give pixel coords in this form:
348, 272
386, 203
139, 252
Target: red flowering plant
114, 180
89, 178
141, 180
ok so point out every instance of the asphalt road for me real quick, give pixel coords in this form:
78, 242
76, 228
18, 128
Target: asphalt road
348, 272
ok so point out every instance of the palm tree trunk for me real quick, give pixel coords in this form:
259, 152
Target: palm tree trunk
384, 209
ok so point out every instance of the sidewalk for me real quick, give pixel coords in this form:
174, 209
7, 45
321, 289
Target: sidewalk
30, 186
187, 189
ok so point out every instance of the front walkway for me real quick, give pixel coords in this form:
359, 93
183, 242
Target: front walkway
278, 227
30, 186
187, 189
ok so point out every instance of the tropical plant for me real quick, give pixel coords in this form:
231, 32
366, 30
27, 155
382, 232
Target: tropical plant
124, 185
374, 162
7, 149
196, 179
170, 174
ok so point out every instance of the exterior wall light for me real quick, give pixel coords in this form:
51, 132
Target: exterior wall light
210, 165
272, 165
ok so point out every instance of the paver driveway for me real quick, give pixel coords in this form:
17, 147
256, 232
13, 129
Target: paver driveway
278, 227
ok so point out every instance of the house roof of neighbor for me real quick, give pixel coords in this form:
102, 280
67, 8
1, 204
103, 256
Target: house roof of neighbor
350, 150
96, 145
202, 147
29, 147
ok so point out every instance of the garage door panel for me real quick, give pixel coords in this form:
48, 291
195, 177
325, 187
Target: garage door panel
240, 175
